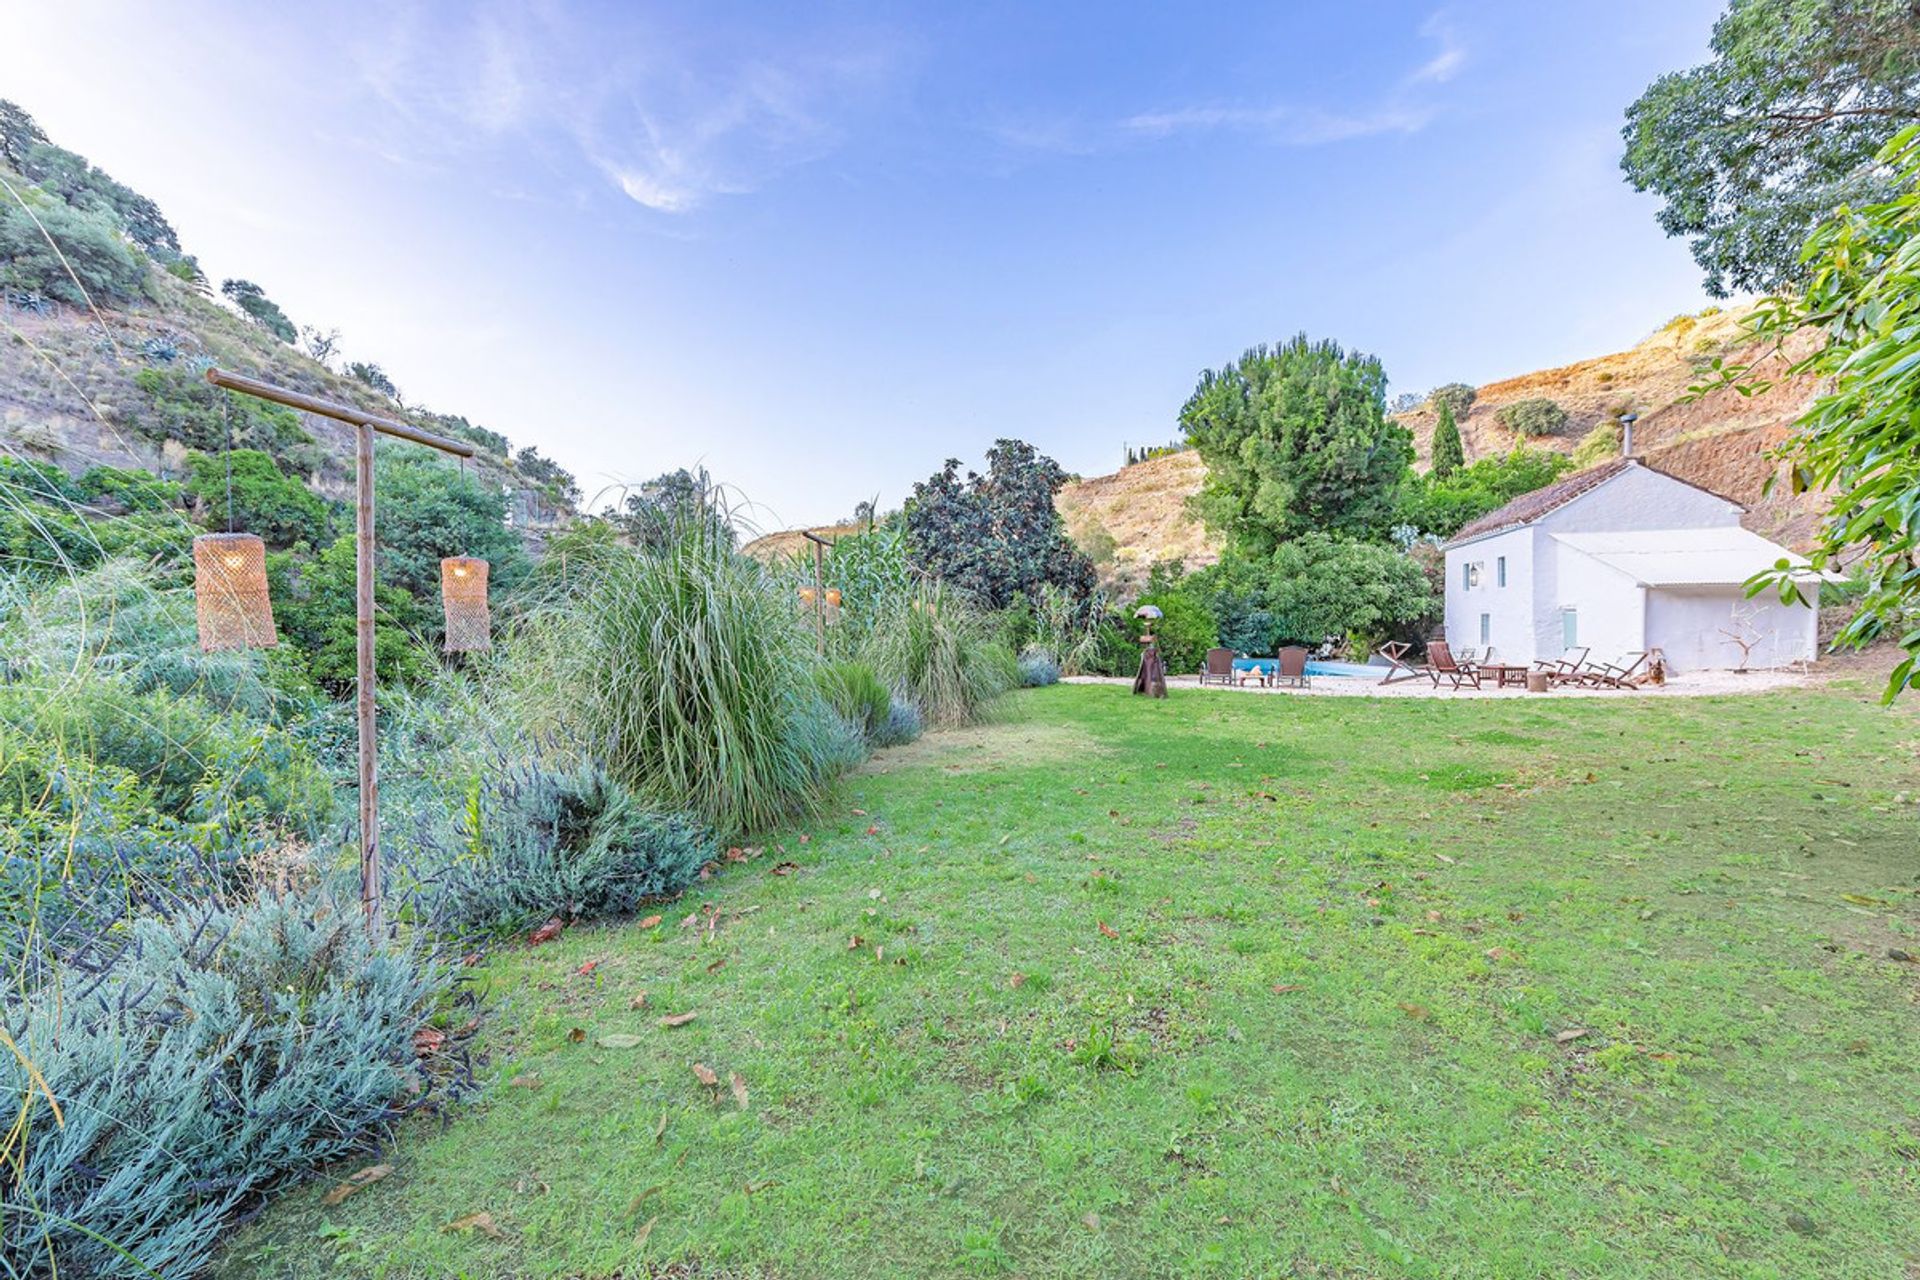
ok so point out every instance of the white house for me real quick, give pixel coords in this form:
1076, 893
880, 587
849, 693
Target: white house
1618, 558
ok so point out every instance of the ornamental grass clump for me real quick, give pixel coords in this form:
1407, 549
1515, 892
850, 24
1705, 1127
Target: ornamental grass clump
686, 669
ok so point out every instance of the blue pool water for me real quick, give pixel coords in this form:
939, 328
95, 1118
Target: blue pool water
1315, 667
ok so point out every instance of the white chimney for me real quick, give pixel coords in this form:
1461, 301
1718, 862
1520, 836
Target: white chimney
1626, 433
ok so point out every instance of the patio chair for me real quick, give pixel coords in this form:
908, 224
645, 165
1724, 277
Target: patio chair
1624, 674
1218, 668
1398, 668
1568, 668
1291, 667
1441, 665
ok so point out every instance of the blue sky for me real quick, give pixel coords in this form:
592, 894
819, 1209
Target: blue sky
820, 248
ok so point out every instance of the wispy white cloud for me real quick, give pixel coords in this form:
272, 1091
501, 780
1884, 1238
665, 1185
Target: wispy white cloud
670, 119
1406, 107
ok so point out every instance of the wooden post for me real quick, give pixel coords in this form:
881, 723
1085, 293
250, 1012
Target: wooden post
363, 691
365, 425
819, 600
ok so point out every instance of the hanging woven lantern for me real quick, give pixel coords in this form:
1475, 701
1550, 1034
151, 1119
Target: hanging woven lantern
833, 597
806, 595
230, 592
463, 596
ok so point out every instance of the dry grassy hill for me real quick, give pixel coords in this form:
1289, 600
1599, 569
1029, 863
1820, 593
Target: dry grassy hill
1719, 441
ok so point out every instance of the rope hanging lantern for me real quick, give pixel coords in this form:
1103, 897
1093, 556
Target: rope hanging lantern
230, 592
463, 597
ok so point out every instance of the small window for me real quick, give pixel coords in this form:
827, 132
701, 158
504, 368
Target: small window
1466, 575
1486, 628
1569, 628
1500, 571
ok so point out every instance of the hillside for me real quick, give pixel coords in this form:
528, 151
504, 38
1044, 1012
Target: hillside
1719, 442
105, 344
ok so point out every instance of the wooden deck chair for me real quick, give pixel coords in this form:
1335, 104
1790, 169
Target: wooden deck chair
1398, 668
1567, 668
1291, 667
1218, 668
1624, 674
1442, 666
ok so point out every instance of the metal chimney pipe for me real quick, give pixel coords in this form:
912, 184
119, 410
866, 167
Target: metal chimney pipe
1626, 433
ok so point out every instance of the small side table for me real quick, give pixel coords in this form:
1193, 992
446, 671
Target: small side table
1505, 675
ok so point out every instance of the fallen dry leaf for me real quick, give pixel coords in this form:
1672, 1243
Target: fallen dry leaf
873, 831
578, 1035
739, 1087
639, 1000
859, 813
588, 967
1017, 981
755, 1188
472, 958
804, 837
482, 1222
1571, 1033
426, 1040
717, 965
1499, 953
1418, 1012
679, 1019
546, 932
619, 1040
706, 1075
364, 1178
856, 942
785, 868
1091, 1221
1281, 988
640, 1236
1107, 929
525, 1082
651, 922
633, 1206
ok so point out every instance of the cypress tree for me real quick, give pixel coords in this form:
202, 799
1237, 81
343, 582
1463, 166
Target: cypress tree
1448, 453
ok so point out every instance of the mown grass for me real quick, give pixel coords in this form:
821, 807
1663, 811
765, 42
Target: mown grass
1323, 1032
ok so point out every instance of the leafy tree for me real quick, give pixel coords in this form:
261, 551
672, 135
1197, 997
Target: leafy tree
1448, 453
1296, 438
996, 536
430, 509
19, 135
655, 514
1322, 586
1439, 506
266, 502
181, 406
320, 344
1537, 416
1457, 396
1406, 402
555, 479
1750, 150
1860, 438
260, 309
313, 607
372, 375
104, 266
1235, 591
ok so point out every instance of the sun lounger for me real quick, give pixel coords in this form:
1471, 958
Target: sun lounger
1398, 668
1624, 674
1568, 668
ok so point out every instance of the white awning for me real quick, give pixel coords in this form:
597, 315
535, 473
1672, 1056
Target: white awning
1724, 556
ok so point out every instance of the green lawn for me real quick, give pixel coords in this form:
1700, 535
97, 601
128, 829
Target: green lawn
1229, 985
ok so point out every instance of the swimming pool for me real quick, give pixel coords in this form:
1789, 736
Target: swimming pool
1316, 667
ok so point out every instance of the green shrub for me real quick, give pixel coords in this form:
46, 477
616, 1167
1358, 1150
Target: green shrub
1602, 444
182, 406
1323, 587
937, 650
852, 689
532, 843
105, 267
689, 672
902, 724
1457, 396
220, 1053
276, 507
1184, 631
1538, 416
1037, 668
259, 308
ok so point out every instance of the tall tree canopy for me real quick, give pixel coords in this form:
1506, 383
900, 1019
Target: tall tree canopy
1449, 455
1296, 438
1750, 150
996, 536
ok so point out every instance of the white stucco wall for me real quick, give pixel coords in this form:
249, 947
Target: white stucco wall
1509, 609
1686, 623
1610, 606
